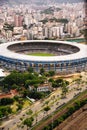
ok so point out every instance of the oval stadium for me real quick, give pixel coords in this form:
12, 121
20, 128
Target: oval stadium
65, 56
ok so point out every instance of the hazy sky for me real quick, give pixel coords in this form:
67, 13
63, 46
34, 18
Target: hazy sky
46, 0
70, 1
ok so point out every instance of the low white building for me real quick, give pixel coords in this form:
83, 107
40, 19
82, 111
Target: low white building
2, 74
44, 88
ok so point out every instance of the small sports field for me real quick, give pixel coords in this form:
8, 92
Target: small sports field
41, 54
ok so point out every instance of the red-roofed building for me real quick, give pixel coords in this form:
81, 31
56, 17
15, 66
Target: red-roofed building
11, 94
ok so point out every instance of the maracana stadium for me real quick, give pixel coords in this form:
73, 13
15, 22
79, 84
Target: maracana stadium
66, 56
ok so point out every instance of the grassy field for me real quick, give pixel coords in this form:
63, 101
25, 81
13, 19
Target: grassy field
26, 104
40, 54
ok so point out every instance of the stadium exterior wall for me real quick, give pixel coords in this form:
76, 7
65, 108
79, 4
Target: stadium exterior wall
69, 65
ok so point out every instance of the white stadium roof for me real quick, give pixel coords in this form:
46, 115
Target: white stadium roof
13, 55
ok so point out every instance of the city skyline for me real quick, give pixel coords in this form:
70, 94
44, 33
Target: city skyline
56, 21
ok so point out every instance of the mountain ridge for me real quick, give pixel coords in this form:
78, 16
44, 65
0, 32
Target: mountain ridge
38, 1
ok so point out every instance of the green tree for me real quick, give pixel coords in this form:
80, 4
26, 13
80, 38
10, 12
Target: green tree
46, 127
46, 109
78, 81
16, 98
51, 73
51, 80
25, 93
5, 110
46, 102
14, 78
42, 71
71, 110
85, 35
20, 106
77, 105
36, 95
29, 112
8, 27
35, 86
64, 90
28, 122
30, 69
6, 101
24, 26
60, 119
14, 86
54, 84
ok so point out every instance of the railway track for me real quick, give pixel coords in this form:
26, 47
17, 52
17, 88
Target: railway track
57, 115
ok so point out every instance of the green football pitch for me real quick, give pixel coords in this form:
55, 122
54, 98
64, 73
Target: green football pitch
41, 54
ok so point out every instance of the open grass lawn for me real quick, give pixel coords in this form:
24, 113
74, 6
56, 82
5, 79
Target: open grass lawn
14, 107
26, 103
40, 54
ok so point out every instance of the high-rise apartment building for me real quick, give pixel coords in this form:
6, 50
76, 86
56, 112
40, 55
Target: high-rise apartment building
18, 20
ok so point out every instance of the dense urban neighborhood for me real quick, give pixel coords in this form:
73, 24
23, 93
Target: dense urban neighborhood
30, 21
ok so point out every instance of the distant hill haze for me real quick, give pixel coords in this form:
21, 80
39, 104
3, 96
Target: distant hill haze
38, 2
